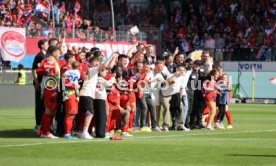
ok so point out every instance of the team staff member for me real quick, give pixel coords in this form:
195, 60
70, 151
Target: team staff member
196, 115
191, 88
39, 107
21, 78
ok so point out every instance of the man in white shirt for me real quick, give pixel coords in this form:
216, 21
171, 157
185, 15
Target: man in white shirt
87, 92
170, 98
157, 75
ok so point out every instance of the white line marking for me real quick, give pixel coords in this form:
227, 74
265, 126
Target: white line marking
211, 139
199, 134
160, 136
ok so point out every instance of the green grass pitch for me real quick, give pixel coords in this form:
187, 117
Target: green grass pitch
252, 141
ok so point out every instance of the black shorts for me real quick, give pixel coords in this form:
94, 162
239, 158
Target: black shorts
86, 105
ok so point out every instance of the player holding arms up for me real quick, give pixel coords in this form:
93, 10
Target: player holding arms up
87, 93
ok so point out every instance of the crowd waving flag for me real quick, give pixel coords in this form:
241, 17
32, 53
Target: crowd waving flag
272, 80
43, 6
25, 10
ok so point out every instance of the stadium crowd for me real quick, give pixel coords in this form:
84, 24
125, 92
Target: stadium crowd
130, 92
245, 27
89, 97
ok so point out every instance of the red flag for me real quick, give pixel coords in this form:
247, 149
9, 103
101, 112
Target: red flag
77, 6
43, 6
26, 11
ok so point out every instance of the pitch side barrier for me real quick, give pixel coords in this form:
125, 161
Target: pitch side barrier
242, 74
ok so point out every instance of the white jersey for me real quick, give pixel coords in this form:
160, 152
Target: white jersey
72, 75
89, 85
101, 86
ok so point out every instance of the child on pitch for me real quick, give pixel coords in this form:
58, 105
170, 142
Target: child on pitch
222, 100
227, 112
71, 87
100, 102
73, 76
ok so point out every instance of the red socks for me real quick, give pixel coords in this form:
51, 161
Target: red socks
206, 119
68, 124
124, 129
215, 118
47, 121
131, 118
228, 116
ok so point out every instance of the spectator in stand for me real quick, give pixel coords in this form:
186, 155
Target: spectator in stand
219, 44
190, 20
210, 44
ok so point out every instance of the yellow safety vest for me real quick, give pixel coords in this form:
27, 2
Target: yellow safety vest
23, 78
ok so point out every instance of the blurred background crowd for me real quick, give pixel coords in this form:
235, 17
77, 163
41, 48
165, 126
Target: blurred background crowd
230, 29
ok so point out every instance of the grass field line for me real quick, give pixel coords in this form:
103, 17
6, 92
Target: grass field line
199, 134
151, 137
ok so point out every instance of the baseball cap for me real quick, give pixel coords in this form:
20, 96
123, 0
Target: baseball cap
197, 62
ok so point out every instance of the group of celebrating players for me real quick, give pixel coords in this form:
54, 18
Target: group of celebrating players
91, 97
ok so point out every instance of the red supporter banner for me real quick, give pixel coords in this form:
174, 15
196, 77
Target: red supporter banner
106, 47
12, 43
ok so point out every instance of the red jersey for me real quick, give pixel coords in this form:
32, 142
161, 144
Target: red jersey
51, 91
113, 98
83, 71
45, 68
61, 63
212, 95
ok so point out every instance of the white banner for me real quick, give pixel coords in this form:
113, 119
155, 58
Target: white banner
247, 66
13, 43
107, 48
